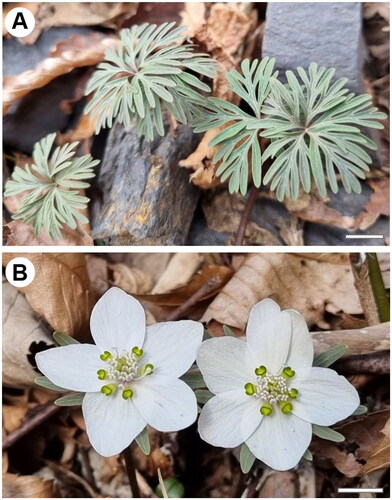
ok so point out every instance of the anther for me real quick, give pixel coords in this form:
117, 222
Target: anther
147, 369
288, 372
266, 409
261, 371
286, 407
250, 389
105, 356
108, 389
127, 393
137, 352
293, 393
102, 374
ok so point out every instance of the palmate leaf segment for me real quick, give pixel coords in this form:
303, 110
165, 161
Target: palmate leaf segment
150, 68
314, 126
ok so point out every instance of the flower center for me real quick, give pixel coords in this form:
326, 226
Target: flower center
123, 369
273, 390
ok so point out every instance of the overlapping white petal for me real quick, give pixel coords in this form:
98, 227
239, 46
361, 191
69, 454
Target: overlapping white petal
226, 364
166, 403
268, 335
73, 367
228, 419
301, 353
280, 440
111, 422
171, 347
118, 321
325, 397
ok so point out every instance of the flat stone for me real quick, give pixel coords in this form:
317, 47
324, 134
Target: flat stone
329, 34
146, 198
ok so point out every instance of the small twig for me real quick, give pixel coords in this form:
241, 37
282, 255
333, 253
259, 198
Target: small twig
181, 310
131, 471
66, 472
31, 423
360, 268
245, 218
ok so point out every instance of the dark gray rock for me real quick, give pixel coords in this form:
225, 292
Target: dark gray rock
328, 33
147, 199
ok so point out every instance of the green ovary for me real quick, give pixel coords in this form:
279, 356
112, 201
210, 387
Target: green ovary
122, 369
273, 390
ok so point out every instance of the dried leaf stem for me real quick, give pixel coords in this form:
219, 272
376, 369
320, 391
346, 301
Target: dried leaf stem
245, 218
131, 471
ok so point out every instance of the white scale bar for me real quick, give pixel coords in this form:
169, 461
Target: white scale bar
361, 490
363, 236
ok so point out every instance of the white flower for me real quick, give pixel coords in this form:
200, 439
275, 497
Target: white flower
130, 376
267, 392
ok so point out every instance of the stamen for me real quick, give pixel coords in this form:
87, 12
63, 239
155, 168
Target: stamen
147, 369
108, 389
293, 393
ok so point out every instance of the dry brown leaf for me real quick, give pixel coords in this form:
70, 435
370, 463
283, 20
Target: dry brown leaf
13, 416
380, 456
177, 296
130, 279
278, 485
181, 268
60, 291
311, 285
380, 8
75, 52
20, 330
312, 209
98, 273
362, 436
18, 234
15, 486
48, 14
224, 29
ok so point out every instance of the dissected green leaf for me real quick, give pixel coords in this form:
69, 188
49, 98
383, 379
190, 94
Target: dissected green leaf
151, 67
63, 339
327, 433
47, 384
52, 186
74, 399
327, 358
247, 459
143, 441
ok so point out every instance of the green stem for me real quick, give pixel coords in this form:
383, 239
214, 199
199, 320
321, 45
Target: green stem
378, 287
131, 471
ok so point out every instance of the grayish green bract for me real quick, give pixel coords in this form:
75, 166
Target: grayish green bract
47, 384
203, 395
194, 379
315, 127
360, 410
327, 433
63, 339
228, 331
52, 185
247, 459
149, 68
74, 399
327, 358
143, 441
308, 455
